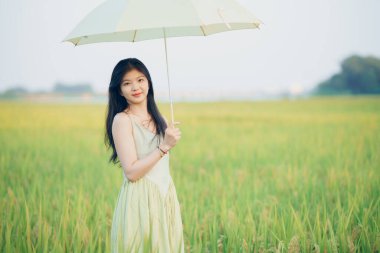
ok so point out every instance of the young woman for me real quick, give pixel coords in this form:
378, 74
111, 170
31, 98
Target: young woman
147, 215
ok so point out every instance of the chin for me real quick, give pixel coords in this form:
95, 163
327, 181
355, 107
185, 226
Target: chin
139, 99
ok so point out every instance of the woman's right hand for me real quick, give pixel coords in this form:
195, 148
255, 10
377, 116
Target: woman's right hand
172, 135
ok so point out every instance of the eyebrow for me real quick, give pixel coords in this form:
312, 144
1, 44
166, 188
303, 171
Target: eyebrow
129, 80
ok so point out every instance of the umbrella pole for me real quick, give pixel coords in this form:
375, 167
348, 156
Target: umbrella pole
167, 73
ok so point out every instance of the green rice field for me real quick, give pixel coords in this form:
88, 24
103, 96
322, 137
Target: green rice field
259, 176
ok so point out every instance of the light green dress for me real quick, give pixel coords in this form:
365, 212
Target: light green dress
147, 216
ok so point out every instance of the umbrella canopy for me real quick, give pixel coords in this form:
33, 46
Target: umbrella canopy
138, 20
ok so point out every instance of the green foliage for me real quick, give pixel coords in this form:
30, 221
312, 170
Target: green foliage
72, 89
13, 92
268, 176
359, 75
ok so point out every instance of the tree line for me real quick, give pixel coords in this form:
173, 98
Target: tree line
358, 75
61, 88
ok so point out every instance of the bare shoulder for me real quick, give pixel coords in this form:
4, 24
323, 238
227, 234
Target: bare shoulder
121, 120
121, 117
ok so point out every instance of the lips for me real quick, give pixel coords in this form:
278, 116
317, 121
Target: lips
137, 94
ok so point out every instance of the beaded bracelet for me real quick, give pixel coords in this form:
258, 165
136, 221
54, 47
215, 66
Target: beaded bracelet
161, 152
164, 152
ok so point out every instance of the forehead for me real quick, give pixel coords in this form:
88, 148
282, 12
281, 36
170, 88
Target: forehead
132, 74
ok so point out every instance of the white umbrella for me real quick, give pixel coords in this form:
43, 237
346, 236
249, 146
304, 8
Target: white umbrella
137, 20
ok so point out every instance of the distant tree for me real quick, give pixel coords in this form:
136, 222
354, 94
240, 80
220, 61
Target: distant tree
72, 89
14, 92
359, 75
362, 74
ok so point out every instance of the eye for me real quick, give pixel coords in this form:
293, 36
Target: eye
141, 80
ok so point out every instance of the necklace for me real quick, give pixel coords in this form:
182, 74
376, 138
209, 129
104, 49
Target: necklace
145, 123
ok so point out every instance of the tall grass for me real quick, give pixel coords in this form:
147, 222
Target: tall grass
274, 176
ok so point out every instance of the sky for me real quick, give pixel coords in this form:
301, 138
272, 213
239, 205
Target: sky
300, 44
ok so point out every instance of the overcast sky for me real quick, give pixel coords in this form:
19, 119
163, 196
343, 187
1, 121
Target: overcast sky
300, 44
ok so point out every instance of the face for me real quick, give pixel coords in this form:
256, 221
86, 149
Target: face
134, 87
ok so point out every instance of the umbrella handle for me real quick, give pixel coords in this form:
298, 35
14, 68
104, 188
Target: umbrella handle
167, 73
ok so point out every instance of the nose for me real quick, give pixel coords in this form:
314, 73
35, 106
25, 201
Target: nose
135, 86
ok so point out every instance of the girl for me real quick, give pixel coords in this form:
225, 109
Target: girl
147, 215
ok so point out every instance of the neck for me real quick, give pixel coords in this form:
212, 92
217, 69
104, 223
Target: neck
139, 109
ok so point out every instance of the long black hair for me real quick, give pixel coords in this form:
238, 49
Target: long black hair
118, 103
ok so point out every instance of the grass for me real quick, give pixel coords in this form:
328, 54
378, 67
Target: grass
268, 176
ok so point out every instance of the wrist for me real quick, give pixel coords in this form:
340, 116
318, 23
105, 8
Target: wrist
160, 152
165, 148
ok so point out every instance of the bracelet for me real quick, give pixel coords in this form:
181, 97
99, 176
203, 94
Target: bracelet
161, 152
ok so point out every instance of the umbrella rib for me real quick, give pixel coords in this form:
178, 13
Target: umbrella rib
204, 34
134, 36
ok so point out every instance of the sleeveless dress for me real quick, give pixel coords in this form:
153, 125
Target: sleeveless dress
147, 216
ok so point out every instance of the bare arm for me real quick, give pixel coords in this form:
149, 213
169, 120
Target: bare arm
133, 168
